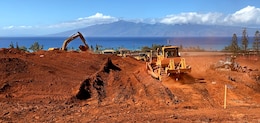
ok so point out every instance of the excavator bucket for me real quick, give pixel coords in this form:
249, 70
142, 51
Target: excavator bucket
83, 48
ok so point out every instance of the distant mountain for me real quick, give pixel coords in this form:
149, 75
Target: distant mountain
131, 29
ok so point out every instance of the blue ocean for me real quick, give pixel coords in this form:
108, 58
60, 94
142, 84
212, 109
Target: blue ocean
131, 43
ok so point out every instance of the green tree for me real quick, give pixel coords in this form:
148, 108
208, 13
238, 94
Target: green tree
23, 48
227, 48
148, 49
244, 40
155, 46
256, 42
98, 48
36, 46
11, 45
91, 47
234, 44
145, 49
17, 46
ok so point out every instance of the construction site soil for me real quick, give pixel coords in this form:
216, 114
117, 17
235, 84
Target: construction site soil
59, 86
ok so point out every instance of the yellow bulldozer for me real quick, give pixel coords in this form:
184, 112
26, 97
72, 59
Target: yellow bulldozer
167, 62
84, 47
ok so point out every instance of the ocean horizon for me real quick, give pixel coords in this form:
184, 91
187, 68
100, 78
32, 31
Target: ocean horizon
131, 43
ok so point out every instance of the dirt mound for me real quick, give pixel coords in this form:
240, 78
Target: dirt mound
43, 76
95, 85
110, 85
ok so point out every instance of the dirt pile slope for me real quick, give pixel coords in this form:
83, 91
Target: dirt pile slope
63, 75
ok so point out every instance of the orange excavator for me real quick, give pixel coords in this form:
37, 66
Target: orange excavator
84, 47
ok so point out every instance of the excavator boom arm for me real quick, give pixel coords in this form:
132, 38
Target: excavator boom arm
74, 36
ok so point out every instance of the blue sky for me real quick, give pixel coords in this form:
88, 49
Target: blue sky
40, 17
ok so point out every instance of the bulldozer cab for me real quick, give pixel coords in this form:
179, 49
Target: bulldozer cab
169, 52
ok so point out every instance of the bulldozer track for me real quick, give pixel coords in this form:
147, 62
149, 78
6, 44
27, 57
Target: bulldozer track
163, 74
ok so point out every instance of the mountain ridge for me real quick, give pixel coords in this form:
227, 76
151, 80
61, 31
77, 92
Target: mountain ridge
131, 29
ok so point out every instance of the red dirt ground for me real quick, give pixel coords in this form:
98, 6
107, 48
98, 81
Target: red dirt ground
58, 86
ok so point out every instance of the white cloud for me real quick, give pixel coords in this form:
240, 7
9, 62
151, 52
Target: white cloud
98, 18
8, 27
246, 16
192, 17
26, 27
17, 27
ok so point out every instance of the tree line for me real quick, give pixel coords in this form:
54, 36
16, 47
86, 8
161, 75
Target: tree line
34, 47
244, 47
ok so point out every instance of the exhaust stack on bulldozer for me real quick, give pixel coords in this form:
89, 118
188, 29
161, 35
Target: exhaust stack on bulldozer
167, 62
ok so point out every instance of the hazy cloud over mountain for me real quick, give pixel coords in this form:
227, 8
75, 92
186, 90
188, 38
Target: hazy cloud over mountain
98, 18
192, 17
